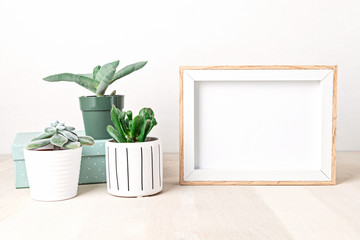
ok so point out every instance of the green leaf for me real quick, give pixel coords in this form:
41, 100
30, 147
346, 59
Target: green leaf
69, 128
136, 126
86, 140
124, 127
115, 119
89, 75
50, 129
144, 130
69, 135
127, 70
95, 71
54, 124
38, 144
83, 81
60, 127
104, 76
121, 114
44, 135
153, 123
113, 93
146, 111
72, 145
114, 134
58, 140
129, 114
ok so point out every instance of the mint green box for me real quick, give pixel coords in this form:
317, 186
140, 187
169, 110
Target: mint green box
92, 163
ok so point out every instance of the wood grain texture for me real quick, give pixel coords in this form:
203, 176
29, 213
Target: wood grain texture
334, 117
189, 212
181, 127
258, 67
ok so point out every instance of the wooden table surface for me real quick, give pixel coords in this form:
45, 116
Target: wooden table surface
189, 212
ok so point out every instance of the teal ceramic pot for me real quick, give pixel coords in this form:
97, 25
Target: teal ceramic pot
96, 114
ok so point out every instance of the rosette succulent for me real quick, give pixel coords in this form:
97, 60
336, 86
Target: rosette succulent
128, 129
60, 137
101, 77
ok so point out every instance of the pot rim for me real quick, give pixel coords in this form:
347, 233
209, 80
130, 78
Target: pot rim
62, 151
152, 140
105, 103
105, 96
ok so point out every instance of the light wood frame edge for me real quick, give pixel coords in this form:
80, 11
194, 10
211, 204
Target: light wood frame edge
257, 67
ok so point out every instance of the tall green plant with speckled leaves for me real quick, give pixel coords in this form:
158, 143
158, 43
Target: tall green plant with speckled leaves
128, 129
101, 77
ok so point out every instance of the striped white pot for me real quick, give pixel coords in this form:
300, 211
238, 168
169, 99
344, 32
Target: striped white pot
53, 175
134, 169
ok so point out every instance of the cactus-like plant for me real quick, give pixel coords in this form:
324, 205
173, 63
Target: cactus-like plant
128, 129
60, 137
101, 77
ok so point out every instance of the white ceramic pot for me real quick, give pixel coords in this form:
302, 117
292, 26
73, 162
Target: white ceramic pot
53, 175
134, 169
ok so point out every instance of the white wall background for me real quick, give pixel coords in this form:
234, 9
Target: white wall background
39, 38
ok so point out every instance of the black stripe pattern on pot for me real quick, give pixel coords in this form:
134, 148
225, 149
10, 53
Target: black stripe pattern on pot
116, 169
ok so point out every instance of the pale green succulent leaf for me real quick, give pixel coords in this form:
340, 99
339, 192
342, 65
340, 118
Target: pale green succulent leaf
69, 135
38, 144
95, 71
104, 76
54, 124
50, 129
44, 135
58, 140
60, 127
69, 128
127, 70
82, 80
89, 75
71, 145
86, 140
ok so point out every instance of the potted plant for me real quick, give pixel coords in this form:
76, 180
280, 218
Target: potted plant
133, 160
52, 162
96, 108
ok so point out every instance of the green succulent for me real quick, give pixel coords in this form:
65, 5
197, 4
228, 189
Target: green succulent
101, 77
128, 129
61, 137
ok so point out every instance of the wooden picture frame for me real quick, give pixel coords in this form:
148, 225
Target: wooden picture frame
257, 125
